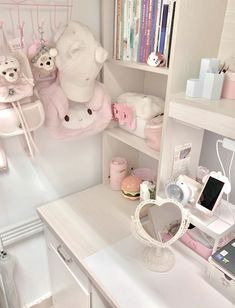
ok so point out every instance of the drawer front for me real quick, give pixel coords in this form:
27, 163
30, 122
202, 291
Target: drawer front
222, 283
70, 286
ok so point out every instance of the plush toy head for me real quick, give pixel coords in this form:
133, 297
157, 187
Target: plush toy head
156, 59
44, 58
9, 68
79, 60
79, 116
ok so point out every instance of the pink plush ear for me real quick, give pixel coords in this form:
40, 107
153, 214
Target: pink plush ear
101, 54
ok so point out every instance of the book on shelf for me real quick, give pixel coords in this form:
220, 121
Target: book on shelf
117, 29
148, 29
157, 26
142, 39
162, 34
142, 27
136, 34
171, 33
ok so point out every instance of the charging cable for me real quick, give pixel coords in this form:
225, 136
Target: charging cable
224, 142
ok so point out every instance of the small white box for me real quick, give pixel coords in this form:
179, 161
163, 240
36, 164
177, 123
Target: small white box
194, 88
221, 282
212, 86
210, 65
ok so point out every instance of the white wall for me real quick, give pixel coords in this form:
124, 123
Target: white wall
60, 169
227, 49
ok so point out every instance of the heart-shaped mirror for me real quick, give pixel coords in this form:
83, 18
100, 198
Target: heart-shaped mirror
158, 226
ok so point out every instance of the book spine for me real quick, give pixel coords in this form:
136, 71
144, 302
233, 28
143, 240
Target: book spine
125, 29
153, 26
118, 29
129, 29
122, 29
145, 31
142, 29
148, 29
168, 28
171, 33
115, 30
136, 38
158, 20
163, 28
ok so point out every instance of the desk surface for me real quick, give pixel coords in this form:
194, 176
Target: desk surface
95, 226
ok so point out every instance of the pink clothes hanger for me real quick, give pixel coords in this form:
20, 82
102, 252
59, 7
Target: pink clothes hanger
20, 25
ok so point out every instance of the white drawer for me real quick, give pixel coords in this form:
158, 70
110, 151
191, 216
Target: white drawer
221, 282
67, 278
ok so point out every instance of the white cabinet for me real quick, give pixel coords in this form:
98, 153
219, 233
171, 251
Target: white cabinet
70, 286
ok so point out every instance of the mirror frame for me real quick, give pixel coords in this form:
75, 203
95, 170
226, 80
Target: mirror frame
141, 234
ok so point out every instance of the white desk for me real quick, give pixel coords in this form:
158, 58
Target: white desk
120, 271
95, 227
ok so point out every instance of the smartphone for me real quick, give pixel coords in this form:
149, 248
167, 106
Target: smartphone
210, 195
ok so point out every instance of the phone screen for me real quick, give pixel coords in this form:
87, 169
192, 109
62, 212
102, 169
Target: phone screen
210, 193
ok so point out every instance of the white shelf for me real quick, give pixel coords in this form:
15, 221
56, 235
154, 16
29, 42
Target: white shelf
140, 66
133, 141
216, 116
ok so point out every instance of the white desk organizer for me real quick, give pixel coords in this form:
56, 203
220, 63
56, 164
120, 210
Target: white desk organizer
219, 226
210, 82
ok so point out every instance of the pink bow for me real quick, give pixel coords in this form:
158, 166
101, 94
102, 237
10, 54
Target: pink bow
15, 92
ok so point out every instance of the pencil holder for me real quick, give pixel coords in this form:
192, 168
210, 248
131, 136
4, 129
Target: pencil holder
212, 86
208, 65
229, 86
194, 88
118, 171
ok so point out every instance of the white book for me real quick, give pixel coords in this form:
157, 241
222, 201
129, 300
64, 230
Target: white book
125, 26
136, 31
115, 30
129, 28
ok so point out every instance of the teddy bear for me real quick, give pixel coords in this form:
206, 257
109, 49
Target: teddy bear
79, 60
44, 58
14, 84
9, 68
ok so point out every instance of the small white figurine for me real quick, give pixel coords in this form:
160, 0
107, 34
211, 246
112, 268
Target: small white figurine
156, 59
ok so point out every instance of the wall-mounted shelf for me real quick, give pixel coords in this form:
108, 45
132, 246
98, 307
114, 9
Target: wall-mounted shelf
133, 141
217, 116
141, 66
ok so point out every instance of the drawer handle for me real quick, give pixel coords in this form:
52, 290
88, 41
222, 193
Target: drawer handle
67, 260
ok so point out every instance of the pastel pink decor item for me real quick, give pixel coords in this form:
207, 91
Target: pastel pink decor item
124, 115
118, 171
68, 120
229, 86
153, 133
198, 247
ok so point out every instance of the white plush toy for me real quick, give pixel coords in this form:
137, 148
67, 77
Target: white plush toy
79, 116
79, 60
145, 106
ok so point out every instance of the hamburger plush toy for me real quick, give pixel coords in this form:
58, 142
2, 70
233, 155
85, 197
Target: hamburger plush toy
131, 187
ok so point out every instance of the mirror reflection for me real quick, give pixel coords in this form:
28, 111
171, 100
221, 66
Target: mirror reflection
161, 222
